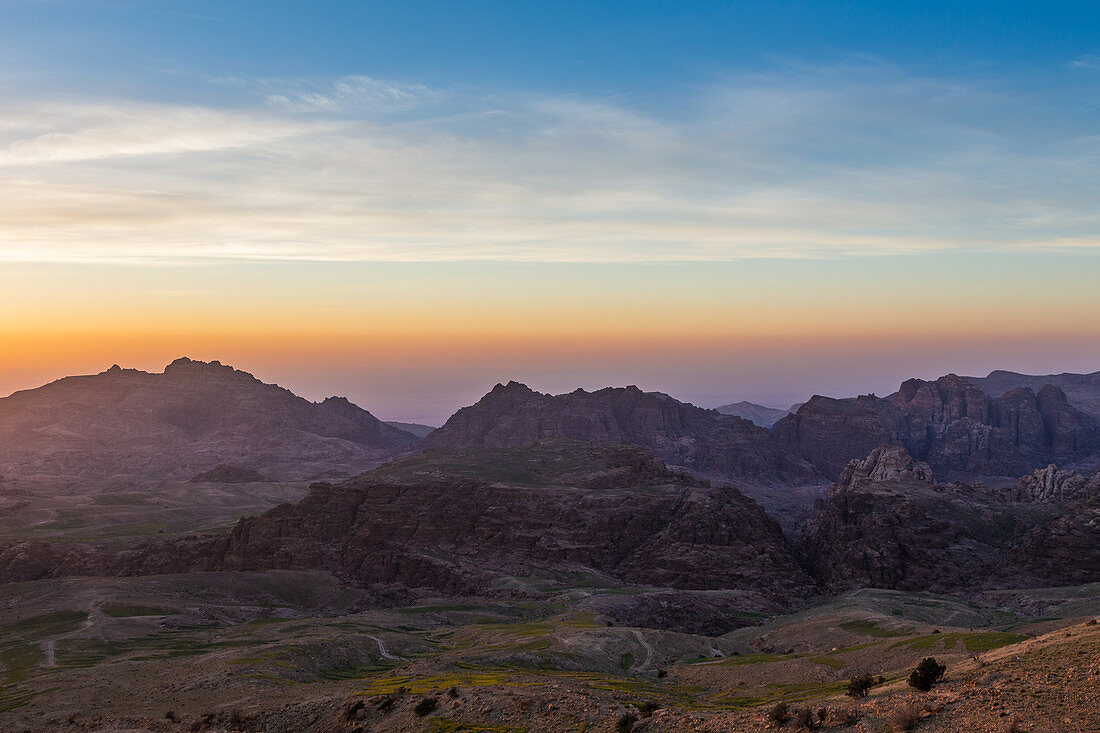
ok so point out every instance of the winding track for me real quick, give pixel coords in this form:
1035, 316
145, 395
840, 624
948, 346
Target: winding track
648, 652
382, 648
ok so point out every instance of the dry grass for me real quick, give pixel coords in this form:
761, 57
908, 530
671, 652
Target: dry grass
904, 717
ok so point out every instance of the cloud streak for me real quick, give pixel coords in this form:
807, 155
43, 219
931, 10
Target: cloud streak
859, 160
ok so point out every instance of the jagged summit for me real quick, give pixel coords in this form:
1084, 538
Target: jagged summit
680, 433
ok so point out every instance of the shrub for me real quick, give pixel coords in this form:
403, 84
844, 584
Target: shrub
453, 692
626, 722
426, 706
860, 685
648, 707
846, 716
926, 674
904, 717
1014, 725
804, 719
780, 714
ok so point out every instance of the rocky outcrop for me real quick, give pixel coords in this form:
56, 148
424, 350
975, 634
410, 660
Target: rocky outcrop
828, 433
885, 463
949, 423
1050, 485
194, 415
460, 536
514, 415
887, 524
1082, 390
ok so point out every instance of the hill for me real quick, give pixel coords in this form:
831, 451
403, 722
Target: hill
179, 423
765, 417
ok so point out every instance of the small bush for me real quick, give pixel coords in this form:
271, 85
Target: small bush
1015, 725
170, 715
846, 716
626, 722
780, 714
926, 674
904, 717
426, 706
804, 719
648, 707
453, 692
860, 685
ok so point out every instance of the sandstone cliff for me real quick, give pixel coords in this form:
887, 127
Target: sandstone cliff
949, 423
677, 432
887, 524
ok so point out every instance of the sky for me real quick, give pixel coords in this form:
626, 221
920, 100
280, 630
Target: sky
405, 203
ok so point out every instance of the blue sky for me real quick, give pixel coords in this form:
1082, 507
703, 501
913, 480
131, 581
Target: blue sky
549, 46
292, 145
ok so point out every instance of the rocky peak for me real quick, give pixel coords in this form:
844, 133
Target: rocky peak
885, 463
184, 368
1049, 485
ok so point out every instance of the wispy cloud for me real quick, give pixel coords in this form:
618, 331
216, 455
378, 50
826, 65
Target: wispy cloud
801, 162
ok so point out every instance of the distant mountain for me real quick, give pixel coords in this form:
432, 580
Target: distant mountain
765, 417
1082, 390
513, 415
191, 418
420, 431
950, 423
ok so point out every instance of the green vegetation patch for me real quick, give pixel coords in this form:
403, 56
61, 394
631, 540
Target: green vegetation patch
867, 627
19, 660
49, 624
982, 641
12, 697
789, 693
828, 661
168, 644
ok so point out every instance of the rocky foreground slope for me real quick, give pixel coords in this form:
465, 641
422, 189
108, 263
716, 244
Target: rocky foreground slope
188, 419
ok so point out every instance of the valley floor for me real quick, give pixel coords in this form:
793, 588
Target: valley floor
287, 651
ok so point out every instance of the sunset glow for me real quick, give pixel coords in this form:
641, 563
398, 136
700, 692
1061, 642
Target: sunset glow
349, 223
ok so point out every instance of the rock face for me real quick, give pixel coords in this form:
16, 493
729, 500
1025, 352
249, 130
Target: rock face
1082, 390
885, 463
192, 417
1068, 546
643, 527
949, 423
887, 524
631, 520
683, 434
